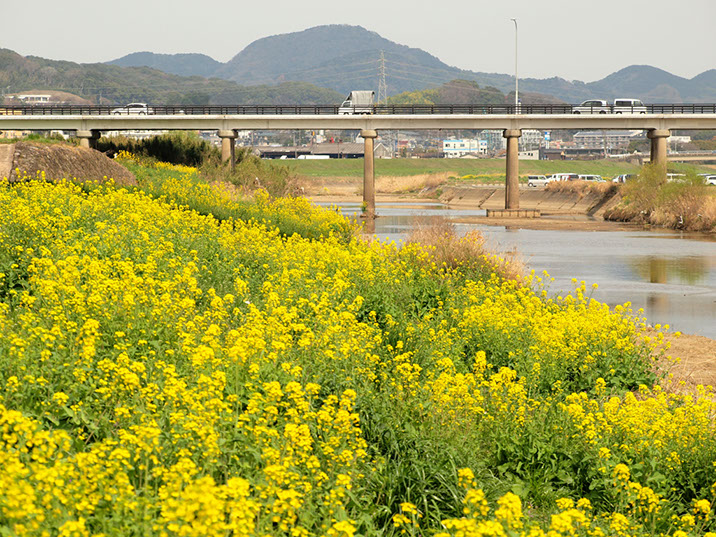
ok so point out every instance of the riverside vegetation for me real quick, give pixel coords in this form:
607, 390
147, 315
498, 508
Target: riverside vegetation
685, 203
178, 361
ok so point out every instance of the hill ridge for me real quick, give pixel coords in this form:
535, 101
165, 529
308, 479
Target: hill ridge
345, 57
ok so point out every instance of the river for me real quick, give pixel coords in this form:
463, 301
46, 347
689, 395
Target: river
668, 274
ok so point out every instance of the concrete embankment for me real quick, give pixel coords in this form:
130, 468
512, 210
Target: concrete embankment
548, 201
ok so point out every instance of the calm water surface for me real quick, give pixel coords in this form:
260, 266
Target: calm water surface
671, 275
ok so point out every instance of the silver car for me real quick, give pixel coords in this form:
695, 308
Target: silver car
133, 109
593, 106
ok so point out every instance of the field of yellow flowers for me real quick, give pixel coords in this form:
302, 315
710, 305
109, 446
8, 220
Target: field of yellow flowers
175, 362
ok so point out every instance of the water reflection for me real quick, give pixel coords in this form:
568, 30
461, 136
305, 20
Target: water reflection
689, 270
670, 275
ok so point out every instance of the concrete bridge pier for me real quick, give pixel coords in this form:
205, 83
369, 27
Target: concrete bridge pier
228, 139
512, 178
658, 148
369, 137
88, 139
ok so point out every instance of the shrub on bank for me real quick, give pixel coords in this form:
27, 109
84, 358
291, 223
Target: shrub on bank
683, 203
185, 148
252, 173
166, 372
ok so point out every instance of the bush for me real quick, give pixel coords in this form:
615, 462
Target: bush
251, 173
177, 148
684, 203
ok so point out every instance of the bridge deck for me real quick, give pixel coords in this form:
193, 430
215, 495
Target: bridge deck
358, 122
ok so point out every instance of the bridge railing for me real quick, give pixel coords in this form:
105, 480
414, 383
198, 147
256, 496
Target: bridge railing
408, 109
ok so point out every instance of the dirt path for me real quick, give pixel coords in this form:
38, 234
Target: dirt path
697, 360
7, 151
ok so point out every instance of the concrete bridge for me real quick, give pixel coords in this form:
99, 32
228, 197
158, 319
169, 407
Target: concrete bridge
692, 156
89, 123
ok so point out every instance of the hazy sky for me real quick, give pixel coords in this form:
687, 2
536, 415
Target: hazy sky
575, 39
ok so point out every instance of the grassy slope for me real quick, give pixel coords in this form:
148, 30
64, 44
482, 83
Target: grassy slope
354, 167
460, 167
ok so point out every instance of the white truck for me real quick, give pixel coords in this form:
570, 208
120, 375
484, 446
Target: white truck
358, 102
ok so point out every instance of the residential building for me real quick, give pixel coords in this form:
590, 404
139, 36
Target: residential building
494, 139
460, 147
606, 140
33, 99
530, 140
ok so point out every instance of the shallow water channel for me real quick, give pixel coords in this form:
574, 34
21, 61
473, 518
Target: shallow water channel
671, 275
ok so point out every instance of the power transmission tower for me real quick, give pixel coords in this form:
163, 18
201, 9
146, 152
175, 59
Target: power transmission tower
382, 88
383, 94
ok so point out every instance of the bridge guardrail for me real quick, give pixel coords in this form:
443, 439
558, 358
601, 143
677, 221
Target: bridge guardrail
417, 109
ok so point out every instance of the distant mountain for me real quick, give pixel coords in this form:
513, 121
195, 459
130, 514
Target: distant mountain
344, 58
115, 84
341, 57
656, 85
175, 64
468, 92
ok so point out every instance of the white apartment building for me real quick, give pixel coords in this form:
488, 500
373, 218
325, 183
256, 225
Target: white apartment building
34, 99
462, 147
531, 139
606, 139
494, 139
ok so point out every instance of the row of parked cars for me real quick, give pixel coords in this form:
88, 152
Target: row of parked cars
620, 106
541, 180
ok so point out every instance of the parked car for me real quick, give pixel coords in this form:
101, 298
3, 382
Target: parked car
709, 179
133, 109
623, 178
629, 106
564, 177
593, 178
593, 106
537, 180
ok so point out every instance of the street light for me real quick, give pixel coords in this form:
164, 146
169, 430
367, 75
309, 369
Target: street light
517, 94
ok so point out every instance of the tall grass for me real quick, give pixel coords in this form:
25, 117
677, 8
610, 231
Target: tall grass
466, 253
410, 183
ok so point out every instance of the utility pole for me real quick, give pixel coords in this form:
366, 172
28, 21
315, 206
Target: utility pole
517, 93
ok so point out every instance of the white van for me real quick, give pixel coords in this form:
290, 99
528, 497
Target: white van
629, 106
537, 180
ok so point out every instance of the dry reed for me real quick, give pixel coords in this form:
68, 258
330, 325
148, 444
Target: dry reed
401, 184
467, 252
582, 188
